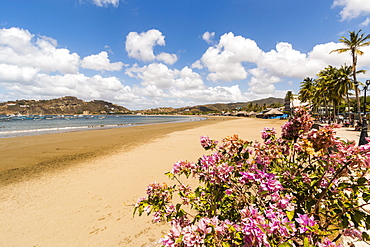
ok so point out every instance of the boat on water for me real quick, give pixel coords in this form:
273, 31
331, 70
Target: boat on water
47, 117
3, 119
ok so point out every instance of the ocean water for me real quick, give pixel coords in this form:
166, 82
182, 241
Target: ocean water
39, 125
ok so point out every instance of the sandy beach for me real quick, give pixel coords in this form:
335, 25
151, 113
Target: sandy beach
78, 189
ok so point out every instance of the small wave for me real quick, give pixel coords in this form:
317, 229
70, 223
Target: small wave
60, 129
40, 130
19, 128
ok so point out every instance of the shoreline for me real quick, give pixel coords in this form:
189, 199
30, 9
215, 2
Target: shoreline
62, 127
26, 156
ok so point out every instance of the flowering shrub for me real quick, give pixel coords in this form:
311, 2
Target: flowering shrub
305, 188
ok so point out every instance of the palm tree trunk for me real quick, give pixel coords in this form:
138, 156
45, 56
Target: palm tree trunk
357, 91
348, 104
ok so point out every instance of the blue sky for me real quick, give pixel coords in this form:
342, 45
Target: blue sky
158, 53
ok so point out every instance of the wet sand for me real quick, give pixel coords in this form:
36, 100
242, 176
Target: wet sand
23, 157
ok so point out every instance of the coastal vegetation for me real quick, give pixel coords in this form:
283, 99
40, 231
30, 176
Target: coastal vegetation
303, 188
352, 45
332, 88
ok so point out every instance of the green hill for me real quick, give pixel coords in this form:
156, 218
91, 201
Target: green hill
66, 105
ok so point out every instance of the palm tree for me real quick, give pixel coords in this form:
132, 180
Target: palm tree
306, 90
345, 84
319, 95
289, 98
327, 84
353, 45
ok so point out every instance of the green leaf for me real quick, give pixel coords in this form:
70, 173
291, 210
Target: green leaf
309, 205
345, 222
170, 175
366, 197
361, 181
290, 214
365, 236
225, 244
306, 243
367, 222
358, 217
181, 213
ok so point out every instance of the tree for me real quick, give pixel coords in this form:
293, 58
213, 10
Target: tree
345, 84
289, 97
353, 45
306, 91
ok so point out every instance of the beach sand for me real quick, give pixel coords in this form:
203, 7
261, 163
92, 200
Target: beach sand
78, 189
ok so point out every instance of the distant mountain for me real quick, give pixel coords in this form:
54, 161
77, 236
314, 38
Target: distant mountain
218, 107
233, 106
66, 105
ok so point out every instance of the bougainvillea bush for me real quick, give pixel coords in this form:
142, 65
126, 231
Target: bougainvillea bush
304, 188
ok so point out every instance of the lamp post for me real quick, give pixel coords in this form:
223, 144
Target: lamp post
362, 140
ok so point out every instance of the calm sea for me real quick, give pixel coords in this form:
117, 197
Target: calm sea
36, 125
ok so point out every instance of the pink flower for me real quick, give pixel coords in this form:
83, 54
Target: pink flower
139, 201
268, 133
305, 222
203, 226
228, 192
207, 143
353, 233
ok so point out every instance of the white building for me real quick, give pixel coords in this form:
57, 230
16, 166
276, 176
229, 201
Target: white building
290, 104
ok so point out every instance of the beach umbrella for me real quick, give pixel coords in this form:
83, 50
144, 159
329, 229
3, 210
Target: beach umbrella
274, 112
242, 113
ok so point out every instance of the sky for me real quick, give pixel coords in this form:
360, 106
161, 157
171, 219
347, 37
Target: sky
145, 54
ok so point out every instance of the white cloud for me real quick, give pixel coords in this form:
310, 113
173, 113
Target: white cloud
365, 23
167, 58
262, 82
211, 94
207, 36
352, 8
187, 79
224, 60
160, 76
322, 54
20, 48
156, 74
235, 57
140, 46
79, 85
13, 73
287, 62
151, 91
106, 3
162, 84
197, 65
100, 62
